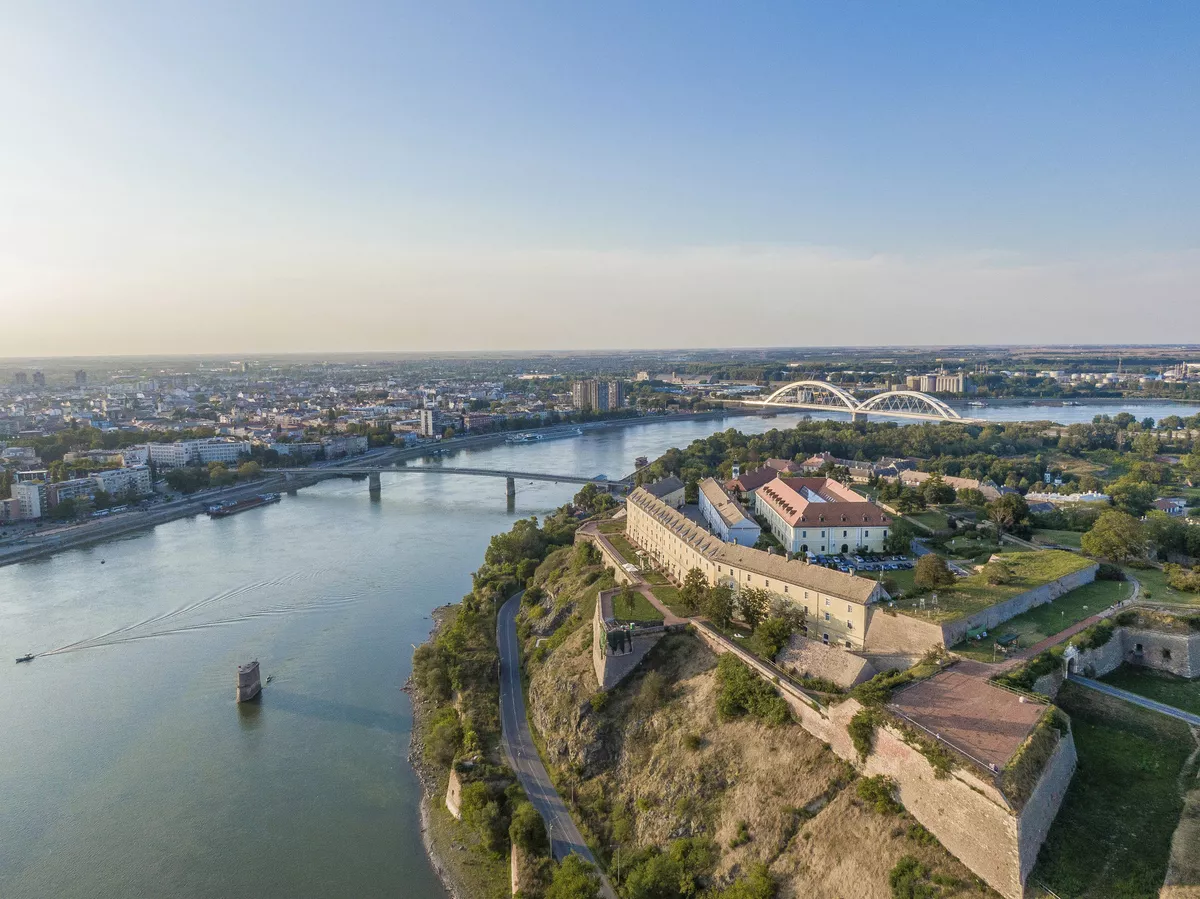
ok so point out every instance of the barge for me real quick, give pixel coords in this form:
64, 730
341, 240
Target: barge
224, 510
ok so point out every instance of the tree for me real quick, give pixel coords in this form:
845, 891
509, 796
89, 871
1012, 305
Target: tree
776, 632
102, 499
754, 603
932, 571
718, 605
1116, 536
899, 539
248, 471
528, 830
219, 475
1008, 512
574, 879
624, 602
937, 492
695, 585
1146, 445
484, 815
996, 572
1132, 496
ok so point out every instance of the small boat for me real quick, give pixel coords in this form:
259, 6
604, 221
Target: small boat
1071, 403
976, 403
25, 658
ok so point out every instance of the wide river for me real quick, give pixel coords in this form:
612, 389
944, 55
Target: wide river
126, 768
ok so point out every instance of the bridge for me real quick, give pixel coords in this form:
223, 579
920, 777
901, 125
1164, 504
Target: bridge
826, 397
373, 472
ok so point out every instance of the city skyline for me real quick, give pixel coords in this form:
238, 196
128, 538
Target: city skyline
402, 178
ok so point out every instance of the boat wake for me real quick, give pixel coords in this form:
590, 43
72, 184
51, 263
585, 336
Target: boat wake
182, 620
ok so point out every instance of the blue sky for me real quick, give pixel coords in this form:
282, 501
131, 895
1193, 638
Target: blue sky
506, 160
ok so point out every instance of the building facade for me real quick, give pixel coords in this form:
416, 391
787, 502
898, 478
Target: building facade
74, 489
31, 498
120, 480
819, 515
594, 395
726, 517
835, 603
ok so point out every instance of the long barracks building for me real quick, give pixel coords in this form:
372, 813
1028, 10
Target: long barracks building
836, 602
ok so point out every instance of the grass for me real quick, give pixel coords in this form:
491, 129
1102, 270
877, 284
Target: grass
669, 597
970, 548
935, 520
974, 593
1062, 538
1156, 589
641, 610
1112, 837
610, 526
1157, 685
623, 547
903, 578
1047, 620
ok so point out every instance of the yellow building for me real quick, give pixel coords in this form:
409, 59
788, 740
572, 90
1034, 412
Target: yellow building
836, 603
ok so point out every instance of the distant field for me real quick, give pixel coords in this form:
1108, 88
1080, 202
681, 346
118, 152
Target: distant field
971, 594
1112, 837
1062, 538
1049, 619
1157, 685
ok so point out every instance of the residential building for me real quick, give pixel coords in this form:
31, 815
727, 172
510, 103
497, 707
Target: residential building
20, 379
217, 450
298, 450
748, 482
594, 395
860, 472
74, 489
192, 452
81, 378
916, 478
940, 382
819, 515
10, 509
31, 498
669, 490
1172, 506
836, 602
431, 423
726, 517
39, 379
349, 445
119, 480
1066, 499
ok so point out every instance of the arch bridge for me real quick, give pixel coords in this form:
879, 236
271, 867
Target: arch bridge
823, 396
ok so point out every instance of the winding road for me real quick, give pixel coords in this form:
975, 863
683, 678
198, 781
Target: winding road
565, 837
1152, 705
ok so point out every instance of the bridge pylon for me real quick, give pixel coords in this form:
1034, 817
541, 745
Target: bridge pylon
510, 488
374, 485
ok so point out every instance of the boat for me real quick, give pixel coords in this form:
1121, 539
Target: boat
1071, 403
224, 510
976, 403
538, 436
25, 658
641, 462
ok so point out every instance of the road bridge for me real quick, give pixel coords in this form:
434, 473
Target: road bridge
826, 397
374, 472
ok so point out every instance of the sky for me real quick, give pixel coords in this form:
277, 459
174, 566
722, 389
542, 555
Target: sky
304, 177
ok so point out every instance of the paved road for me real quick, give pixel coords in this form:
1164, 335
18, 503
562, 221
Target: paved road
523, 755
1145, 703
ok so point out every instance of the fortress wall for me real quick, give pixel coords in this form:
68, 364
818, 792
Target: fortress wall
1183, 649
889, 631
1044, 803
993, 616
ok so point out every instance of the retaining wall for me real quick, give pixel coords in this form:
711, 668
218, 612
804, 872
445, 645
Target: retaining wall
454, 794
814, 659
890, 631
1184, 658
612, 669
610, 558
967, 813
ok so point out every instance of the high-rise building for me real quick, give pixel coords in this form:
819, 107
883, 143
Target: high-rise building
39, 379
20, 379
80, 378
595, 395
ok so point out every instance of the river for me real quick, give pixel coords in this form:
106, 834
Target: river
127, 770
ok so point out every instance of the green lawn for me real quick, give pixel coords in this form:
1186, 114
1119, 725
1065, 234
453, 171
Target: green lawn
935, 520
1157, 685
1049, 619
972, 548
1062, 538
903, 578
624, 547
611, 526
669, 597
1112, 837
1156, 589
971, 594
641, 610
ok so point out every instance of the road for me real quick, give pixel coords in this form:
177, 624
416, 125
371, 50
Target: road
1145, 703
565, 837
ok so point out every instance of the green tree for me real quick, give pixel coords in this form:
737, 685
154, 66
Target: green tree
756, 884
574, 879
695, 585
937, 492
969, 496
1008, 512
899, 539
219, 475
1132, 496
1116, 536
718, 605
754, 604
932, 571
528, 830
997, 572
484, 815
248, 471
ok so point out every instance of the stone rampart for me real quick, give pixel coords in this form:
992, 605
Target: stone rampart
1176, 653
454, 794
891, 631
610, 557
993, 616
965, 811
812, 658
611, 666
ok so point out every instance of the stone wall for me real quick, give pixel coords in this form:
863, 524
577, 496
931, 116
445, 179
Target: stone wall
890, 631
993, 616
966, 812
1184, 659
612, 669
812, 658
610, 558
1044, 803
454, 794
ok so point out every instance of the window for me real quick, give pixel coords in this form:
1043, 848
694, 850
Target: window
866, 534
766, 583
849, 645
785, 588
806, 594
822, 533
826, 600
747, 579
849, 625
804, 533
885, 532
1166, 653
849, 608
825, 639
826, 616
844, 533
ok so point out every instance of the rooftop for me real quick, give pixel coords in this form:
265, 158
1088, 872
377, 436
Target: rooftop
731, 511
820, 501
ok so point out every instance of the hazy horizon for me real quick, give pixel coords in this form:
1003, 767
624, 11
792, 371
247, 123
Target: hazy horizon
392, 177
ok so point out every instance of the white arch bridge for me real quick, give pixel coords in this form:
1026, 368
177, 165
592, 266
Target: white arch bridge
823, 396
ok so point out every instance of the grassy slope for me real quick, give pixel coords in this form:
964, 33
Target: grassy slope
1047, 620
1028, 570
1062, 538
1112, 837
635, 781
1156, 589
1157, 685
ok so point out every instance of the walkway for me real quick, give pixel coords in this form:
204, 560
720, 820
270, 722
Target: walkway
522, 755
670, 619
1074, 629
1142, 701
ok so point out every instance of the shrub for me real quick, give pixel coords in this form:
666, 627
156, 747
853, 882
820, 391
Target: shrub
909, 879
692, 742
444, 737
862, 732
528, 830
1109, 572
742, 692
932, 571
879, 792
598, 701
574, 879
742, 837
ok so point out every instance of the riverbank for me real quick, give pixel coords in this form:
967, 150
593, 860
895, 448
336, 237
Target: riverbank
430, 787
